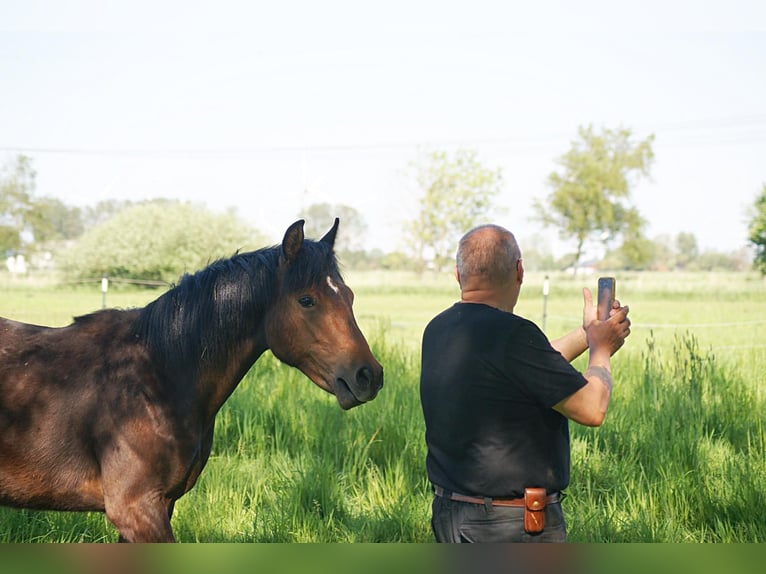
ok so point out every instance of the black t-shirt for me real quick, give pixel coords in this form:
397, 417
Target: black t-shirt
488, 381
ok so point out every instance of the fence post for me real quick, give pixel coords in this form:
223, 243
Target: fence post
104, 289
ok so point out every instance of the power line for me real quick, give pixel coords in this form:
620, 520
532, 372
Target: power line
705, 129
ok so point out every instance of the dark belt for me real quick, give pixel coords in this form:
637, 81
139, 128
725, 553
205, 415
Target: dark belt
516, 502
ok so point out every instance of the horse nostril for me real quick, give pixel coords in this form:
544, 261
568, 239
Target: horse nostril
365, 378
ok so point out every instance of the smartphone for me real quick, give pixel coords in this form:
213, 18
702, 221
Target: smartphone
606, 292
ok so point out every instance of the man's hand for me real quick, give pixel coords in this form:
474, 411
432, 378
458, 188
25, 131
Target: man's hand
610, 334
590, 311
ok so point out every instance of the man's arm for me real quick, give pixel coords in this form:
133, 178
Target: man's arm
571, 345
588, 405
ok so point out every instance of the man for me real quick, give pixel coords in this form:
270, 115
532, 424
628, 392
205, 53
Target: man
497, 396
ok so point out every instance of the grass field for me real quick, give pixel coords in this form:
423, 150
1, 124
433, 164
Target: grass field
680, 458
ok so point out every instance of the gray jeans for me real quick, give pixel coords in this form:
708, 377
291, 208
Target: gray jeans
454, 521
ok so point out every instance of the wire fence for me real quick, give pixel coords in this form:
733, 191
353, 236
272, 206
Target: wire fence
633, 324
146, 282
105, 281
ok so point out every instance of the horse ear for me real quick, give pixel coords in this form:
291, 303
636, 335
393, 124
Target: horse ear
329, 237
293, 240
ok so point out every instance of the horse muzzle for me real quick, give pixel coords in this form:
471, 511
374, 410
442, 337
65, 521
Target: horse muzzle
361, 388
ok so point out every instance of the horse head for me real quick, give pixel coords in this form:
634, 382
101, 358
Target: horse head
311, 325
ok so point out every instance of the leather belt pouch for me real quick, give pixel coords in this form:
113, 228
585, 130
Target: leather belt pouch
534, 510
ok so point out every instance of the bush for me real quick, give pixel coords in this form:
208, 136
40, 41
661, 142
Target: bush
158, 241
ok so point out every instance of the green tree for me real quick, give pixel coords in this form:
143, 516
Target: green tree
757, 231
458, 193
17, 185
636, 253
686, 249
27, 222
320, 218
158, 240
590, 197
49, 219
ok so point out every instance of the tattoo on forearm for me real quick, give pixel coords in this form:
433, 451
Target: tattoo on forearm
603, 375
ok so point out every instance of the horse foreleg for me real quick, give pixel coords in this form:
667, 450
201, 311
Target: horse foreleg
145, 519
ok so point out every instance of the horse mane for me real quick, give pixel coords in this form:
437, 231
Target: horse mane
200, 319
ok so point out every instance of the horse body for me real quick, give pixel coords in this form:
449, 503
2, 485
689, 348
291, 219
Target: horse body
116, 411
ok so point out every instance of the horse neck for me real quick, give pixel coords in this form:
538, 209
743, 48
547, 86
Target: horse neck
207, 332
214, 383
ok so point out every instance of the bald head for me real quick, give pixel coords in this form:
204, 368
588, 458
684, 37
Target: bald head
487, 256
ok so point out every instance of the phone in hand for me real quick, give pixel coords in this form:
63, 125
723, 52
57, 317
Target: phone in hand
606, 292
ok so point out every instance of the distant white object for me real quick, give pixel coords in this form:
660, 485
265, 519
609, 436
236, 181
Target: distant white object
16, 264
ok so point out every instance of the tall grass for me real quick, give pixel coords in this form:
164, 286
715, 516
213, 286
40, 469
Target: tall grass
681, 456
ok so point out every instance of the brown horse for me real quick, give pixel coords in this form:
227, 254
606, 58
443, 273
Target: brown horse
115, 412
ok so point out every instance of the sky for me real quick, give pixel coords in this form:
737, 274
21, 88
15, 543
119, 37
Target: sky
268, 107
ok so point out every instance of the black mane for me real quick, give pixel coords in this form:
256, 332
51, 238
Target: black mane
199, 320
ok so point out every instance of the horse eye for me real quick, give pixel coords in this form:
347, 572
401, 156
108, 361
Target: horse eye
307, 301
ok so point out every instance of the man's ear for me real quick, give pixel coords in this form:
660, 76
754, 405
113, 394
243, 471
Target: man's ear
457, 276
